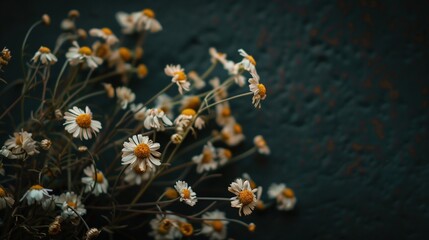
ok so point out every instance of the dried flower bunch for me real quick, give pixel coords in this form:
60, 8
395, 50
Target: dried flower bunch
75, 168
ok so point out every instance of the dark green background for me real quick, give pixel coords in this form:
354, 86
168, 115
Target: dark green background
347, 109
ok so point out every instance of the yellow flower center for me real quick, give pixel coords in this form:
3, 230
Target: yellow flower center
217, 225
19, 139
99, 177
149, 13
2, 192
262, 90
245, 197
207, 157
186, 193
226, 112
260, 143
227, 153
85, 51
237, 128
186, 229
107, 31
36, 187
226, 136
102, 51
124, 53
189, 112
72, 204
181, 76
251, 60
171, 193
164, 226
44, 50
252, 227
287, 192
83, 120
193, 102
142, 151
142, 70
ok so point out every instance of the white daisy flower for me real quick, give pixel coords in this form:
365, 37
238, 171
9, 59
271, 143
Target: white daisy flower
147, 21
139, 111
8, 154
284, 196
104, 33
70, 200
193, 102
6, 200
185, 117
127, 22
135, 176
248, 61
45, 56
179, 77
232, 134
214, 225
102, 50
156, 119
199, 83
217, 56
232, 68
80, 123
141, 152
20, 144
206, 160
224, 155
245, 198
125, 96
36, 194
261, 144
258, 89
166, 228
223, 114
165, 103
77, 54
94, 181
186, 193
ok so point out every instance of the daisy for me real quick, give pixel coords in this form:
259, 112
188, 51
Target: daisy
6, 200
135, 176
141, 152
206, 160
261, 145
70, 200
258, 89
45, 56
104, 33
186, 193
186, 229
20, 144
125, 96
156, 119
245, 198
166, 228
220, 91
232, 68
139, 111
214, 225
36, 194
147, 21
192, 102
224, 155
95, 182
185, 117
223, 114
217, 56
77, 54
198, 81
127, 22
284, 196
102, 50
248, 61
165, 103
232, 134
80, 123
179, 77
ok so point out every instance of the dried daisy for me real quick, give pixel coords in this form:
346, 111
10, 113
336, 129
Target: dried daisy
94, 181
125, 96
141, 152
232, 134
198, 81
45, 56
104, 33
80, 123
139, 111
6, 199
70, 200
284, 196
258, 89
206, 160
179, 77
245, 198
261, 145
77, 55
248, 61
156, 119
166, 228
186, 193
21, 144
147, 21
214, 225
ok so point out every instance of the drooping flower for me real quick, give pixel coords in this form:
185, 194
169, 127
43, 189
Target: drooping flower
80, 123
141, 152
20, 144
214, 225
70, 200
224, 155
147, 21
127, 22
198, 81
104, 33
284, 196
245, 198
261, 145
36, 195
258, 89
156, 119
94, 181
179, 77
166, 228
186, 193
248, 61
77, 54
135, 176
206, 160
45, 56
232, 134
165, 103
6, 199
125, 96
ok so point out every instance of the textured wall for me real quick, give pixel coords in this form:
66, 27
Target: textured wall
347, 108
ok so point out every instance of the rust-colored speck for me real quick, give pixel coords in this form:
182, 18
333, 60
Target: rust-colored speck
317, 90
331, 145
378, 127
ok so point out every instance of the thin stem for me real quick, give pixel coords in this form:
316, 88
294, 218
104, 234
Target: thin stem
59, 78
25, 42
159, 93
209, 70
226, 99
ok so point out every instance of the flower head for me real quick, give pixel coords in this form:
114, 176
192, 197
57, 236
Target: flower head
224, 155
80, 123
232, 133
284, 196
214, 225
125, 96
156, 119
166, 228
77, 54
36, 194
94, 181
141, 152
139, 111
6, 199
261, 145
248, 61
70, 200
245, 198
258, 89
186, 193
135, 176
179, 77
206, 160
147, 21
20, 144
104, 33
45, 56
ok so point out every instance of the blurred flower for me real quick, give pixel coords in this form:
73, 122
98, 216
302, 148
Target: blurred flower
141, 152
125, 96
284, 196
20, 144
248, 61
224, 155
77, 54
104, 33
166, 228
80, 123
198, 81
139, 111
261, 145
179, 77
109, 90
135, 176
156, 119
94, 181
147, 21
70, 200
45, 56
186, 193
206, 160
232, 134
214, 225
45, 144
